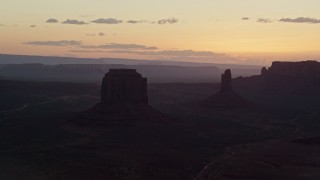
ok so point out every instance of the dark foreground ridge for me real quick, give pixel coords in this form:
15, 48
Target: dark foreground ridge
226, 97
273, 159
124, 101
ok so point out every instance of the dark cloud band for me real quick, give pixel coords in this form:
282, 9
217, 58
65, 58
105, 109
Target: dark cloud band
54, 43
301, 20
263, 20
121, 46
51, 20
168, 21
74, 21
107, 21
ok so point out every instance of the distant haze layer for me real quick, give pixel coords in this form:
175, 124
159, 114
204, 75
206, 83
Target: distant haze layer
91, 70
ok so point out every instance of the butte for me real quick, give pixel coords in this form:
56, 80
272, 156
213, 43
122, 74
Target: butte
124, 101
226, 97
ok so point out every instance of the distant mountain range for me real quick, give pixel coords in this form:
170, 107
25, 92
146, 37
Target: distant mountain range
45, 68
51, 60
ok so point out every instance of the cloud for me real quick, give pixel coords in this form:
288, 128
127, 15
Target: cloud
301, 20
33, 26
70, 55
107, 21
168, 21
183, 55
172, 53
162, 21
87, 51
135, 22
51, 20
262, 20
121, 46
91, 34
54, 43
73, 21
101, 34
180, 53
245, 18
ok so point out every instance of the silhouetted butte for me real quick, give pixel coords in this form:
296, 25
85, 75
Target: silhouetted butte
226, 97
124, 101
123, 86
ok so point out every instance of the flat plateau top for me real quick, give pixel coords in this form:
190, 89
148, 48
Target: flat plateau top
123, 72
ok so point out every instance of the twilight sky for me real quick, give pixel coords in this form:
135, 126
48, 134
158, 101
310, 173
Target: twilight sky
220, 31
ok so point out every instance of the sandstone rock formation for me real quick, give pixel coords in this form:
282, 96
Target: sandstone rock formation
304, 69
226, 97
299, 76
264, 71
123, 86
226, 78
124, 101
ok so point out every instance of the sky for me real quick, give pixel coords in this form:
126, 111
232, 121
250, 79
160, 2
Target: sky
219, 31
